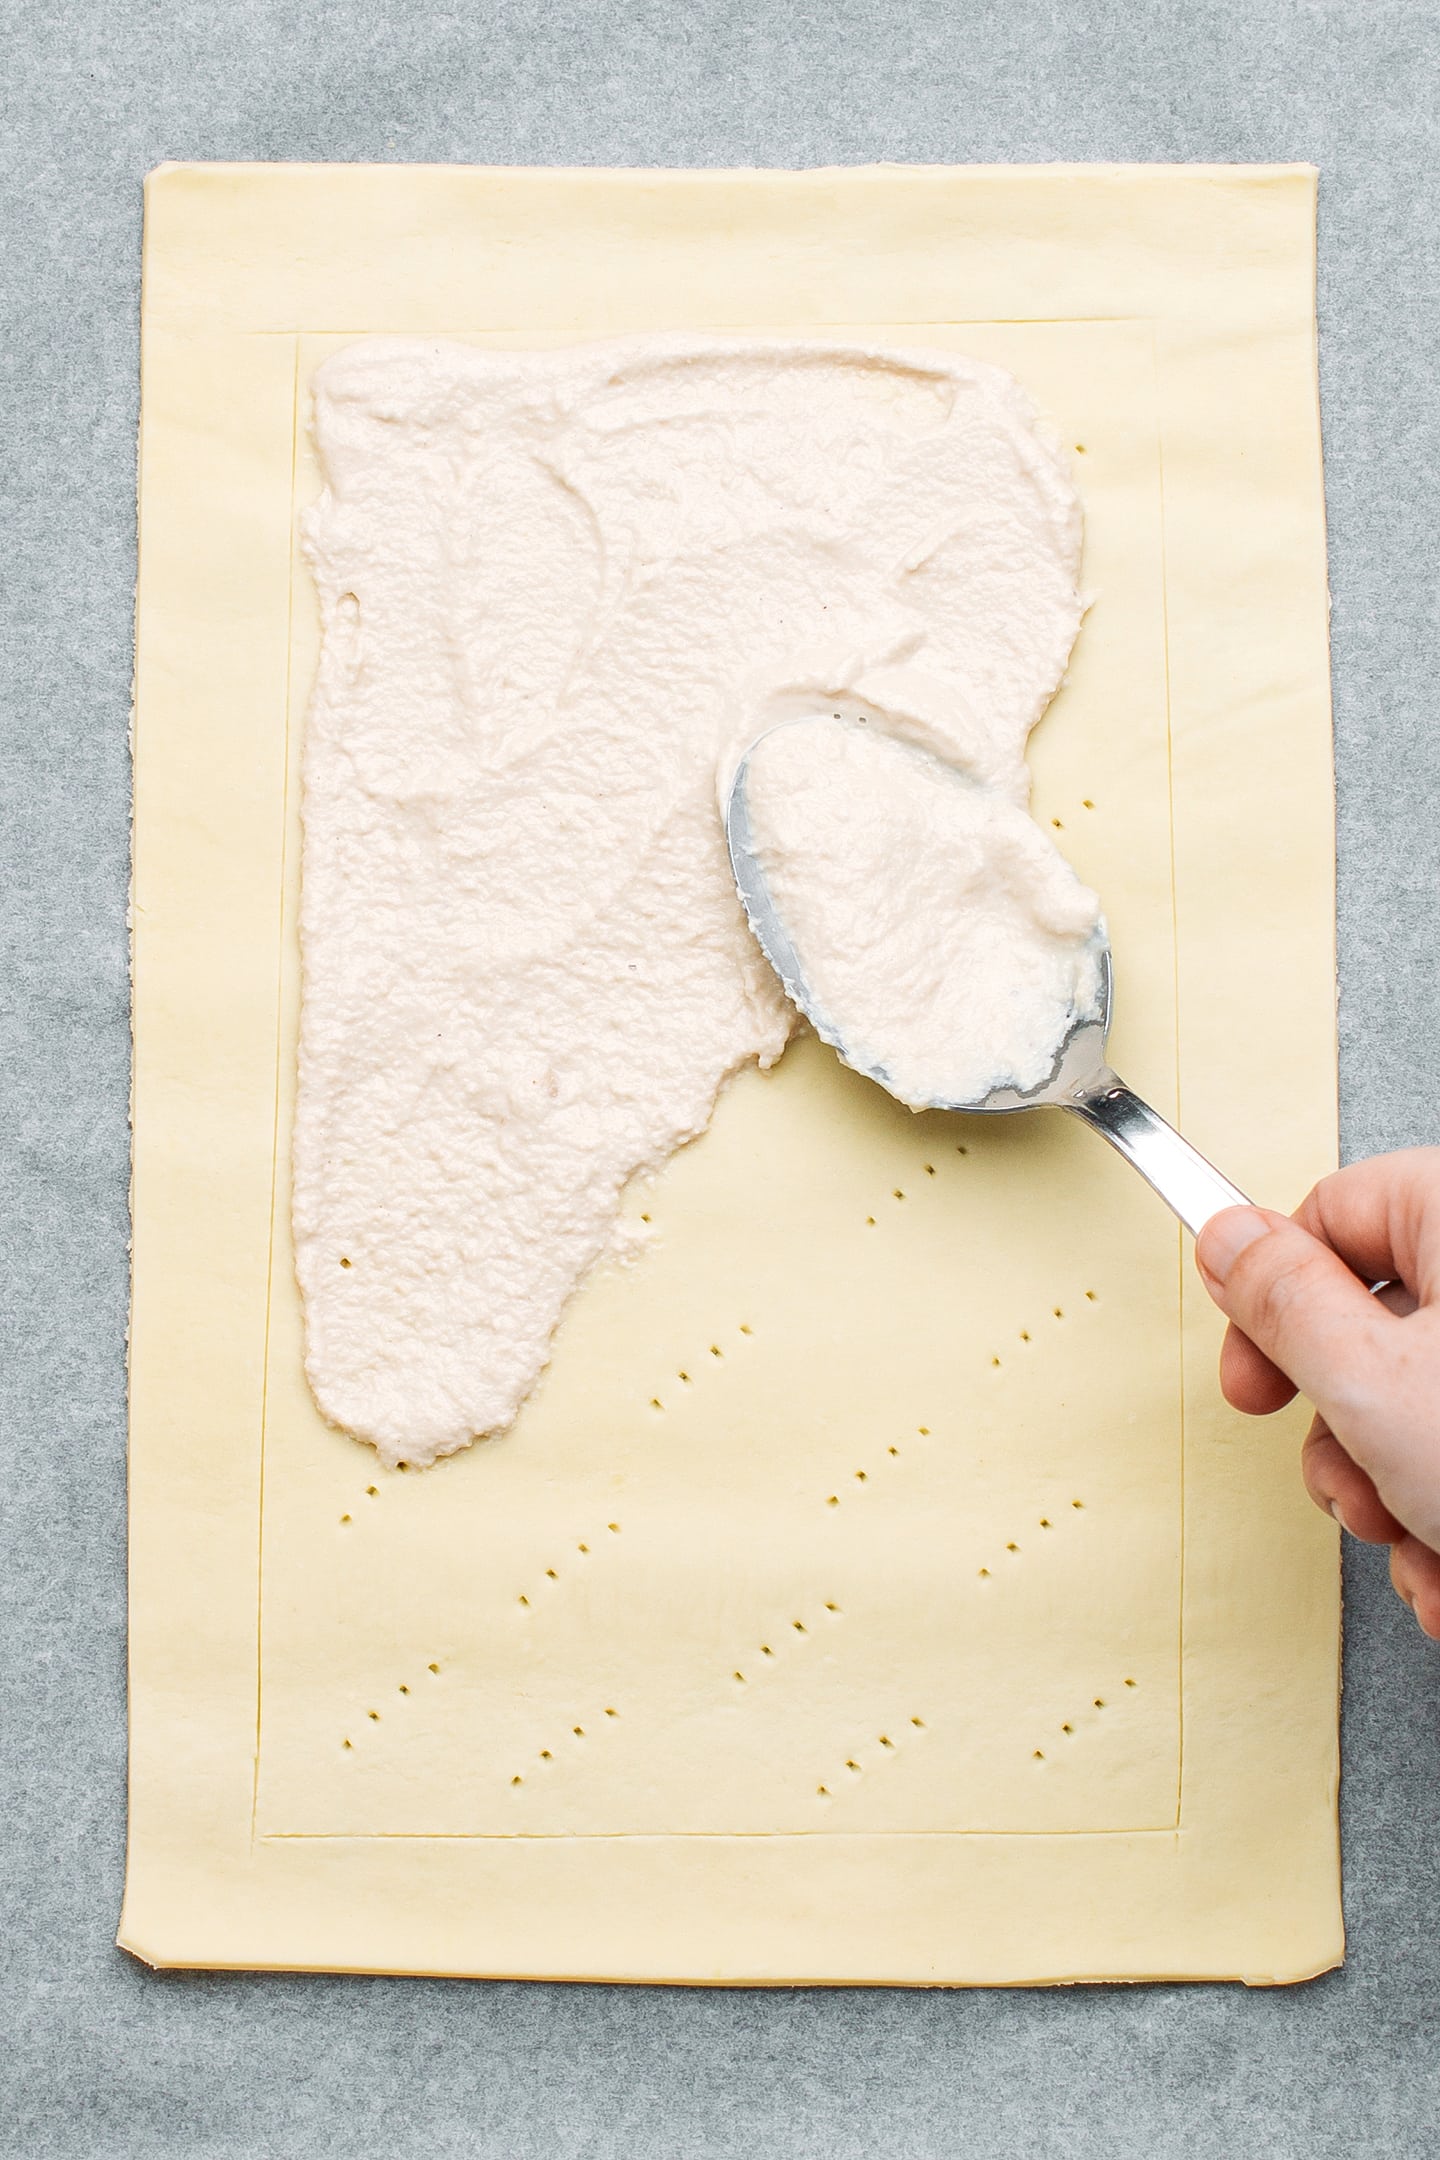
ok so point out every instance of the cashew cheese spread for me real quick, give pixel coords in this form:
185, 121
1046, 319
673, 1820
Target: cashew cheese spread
560, 592
945, 944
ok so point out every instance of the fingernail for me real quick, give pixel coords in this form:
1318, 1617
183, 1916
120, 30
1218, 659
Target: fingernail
1226, 1236
1335, 1511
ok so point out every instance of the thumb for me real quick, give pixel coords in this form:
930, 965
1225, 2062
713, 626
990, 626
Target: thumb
1298, 1303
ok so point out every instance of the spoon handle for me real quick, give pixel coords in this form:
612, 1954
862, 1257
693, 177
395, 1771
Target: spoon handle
1180, 1174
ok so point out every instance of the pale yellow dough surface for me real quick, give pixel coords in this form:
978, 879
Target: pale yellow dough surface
876, 1588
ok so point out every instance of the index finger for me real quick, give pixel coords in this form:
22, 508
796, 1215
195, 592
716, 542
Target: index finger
1383, 1218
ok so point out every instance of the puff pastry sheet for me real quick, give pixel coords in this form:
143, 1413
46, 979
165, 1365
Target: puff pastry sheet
877, 1588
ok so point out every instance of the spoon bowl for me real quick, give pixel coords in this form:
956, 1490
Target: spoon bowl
1080, 1080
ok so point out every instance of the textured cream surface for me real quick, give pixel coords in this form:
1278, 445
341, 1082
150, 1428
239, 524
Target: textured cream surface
946, 946
339, 1671
555, 586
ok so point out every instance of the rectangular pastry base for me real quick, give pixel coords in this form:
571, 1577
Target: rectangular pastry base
876, 1588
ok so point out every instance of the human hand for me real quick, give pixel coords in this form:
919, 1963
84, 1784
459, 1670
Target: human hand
1302, 1321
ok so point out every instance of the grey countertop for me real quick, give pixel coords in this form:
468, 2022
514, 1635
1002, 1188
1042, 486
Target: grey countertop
102, 2058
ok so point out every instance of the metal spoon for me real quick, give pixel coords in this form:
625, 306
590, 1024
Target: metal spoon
1080, 1080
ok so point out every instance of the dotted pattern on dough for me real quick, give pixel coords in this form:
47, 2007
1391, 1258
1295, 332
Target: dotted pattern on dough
791, 1663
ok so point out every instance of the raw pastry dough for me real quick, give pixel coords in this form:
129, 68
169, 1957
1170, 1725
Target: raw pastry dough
876, 1588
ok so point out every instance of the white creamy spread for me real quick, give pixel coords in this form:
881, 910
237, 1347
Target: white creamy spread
943, 940
558, 589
